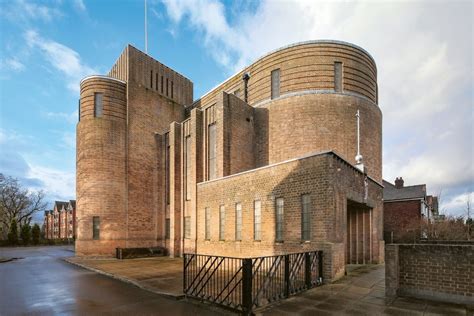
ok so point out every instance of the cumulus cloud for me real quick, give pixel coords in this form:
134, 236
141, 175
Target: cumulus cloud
423, 52
62, 58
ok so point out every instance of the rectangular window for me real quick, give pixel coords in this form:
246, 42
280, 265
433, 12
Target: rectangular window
79, 109
151, 79
222, 222
338, 76
279, 218
187, 152
98, 104
167, 85
207, 223
275, 83
212, 151
305, 217
187, 227
257, 220
172, 88
161, 84
167, 228
167, 168
156, 81
238, 221
95, 227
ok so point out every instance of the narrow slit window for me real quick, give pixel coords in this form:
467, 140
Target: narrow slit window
151, 79
161, 84
222, 222
187, 152
79, 109
95, 227
275, 83
207, 223
279, 218
98, 106
167, 168
187, 227
305, 217
156, 81
167, 85
212, 151
167, 228
172, 88
257, 220
238, 221
338, 76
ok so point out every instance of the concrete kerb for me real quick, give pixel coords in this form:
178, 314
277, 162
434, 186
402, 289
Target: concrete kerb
135, 283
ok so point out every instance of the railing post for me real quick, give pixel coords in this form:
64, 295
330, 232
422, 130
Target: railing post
320, 266
287, 275
184, 273
307, 269
247, 286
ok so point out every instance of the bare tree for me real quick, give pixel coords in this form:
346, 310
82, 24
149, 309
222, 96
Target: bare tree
17, 203
468, 213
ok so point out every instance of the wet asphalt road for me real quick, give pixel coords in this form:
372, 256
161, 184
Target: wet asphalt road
41, 283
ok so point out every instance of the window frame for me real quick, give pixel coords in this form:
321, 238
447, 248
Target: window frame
306, 208
238, 221
257, 220
98, 104
275, 83
96, 227
279, 219
221, 222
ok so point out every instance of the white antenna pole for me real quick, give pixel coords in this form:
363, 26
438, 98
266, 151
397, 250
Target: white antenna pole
358, 157
146, 32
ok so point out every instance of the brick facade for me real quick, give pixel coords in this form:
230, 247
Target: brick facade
153, 160
60, 223
432, 271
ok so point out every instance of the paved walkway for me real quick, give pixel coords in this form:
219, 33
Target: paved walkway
362, 292
39, 282
162, 275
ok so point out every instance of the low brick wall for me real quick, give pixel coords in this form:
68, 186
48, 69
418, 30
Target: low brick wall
442, 272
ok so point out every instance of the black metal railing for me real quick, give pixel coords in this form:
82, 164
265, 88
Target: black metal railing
245, 284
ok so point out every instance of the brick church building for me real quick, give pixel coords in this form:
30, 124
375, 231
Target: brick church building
262, 164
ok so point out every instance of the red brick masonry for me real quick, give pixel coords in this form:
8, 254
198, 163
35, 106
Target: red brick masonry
442, 272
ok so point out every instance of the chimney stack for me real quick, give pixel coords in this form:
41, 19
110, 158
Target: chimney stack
399, 183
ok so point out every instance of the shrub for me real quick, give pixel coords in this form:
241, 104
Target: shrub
36, 234
13, 233
25, 233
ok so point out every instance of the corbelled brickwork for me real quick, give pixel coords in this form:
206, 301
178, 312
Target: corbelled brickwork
441, 272
153, 161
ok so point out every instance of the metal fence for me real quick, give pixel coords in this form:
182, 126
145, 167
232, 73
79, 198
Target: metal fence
244, 284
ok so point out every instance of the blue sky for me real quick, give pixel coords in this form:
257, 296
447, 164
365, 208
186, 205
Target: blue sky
423, 52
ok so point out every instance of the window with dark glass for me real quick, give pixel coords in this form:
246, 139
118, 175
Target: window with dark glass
257, 220
187, 227
279, 218
212, 151
222, 222
167, 228
151, 79
95, 227
161, 84
275, 83
238, 221
305, 217
79, 109
207, 223
167, 168
187, 152
98, 107
338, 76
172, 88
167, 86
156, 81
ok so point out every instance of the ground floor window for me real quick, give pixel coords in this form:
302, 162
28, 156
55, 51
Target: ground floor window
222, 222
207, 223
167, 228
238, 221
95, 227
257, 220
279, 218
187, 227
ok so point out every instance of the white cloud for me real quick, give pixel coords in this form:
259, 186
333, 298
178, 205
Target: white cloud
70, 118
423, 52
56, 183
61, 57
11, 64
457, 205
23, 11
79, 5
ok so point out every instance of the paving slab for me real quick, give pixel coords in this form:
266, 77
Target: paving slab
161, 275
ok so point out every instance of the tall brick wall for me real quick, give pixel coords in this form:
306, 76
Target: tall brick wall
441, 272
401, 219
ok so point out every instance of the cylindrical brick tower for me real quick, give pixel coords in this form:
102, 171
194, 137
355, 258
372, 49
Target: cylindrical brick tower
101, 166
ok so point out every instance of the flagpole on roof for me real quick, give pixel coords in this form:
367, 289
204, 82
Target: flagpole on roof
146, 32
